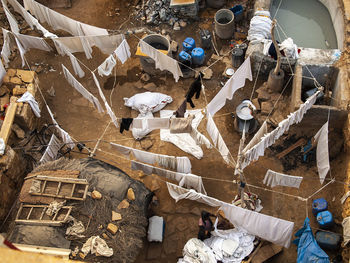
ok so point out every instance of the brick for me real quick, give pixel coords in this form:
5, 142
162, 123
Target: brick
96, 195
131, 195
17, 91
116, 216
26, 75
112, 228
15, 80
123, 204
11, 72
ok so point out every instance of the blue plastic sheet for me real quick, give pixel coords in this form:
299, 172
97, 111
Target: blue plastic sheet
308, 249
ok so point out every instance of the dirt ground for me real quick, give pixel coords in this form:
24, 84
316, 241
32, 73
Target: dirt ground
85, 124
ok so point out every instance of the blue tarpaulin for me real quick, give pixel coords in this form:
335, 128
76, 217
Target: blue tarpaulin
308, 249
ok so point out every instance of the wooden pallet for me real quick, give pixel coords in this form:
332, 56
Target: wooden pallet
78, 190
36, 215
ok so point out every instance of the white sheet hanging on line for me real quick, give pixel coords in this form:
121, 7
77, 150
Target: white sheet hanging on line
29, 42
269, 139
162, 61
51, 151
80, 88
28, 97
31, 21
2, 71
21, 51
236, 82
183, 140
151, 123
59, 21
123, 51
322, 155
6, 49
73, 45
257, 137
274, 179
275, 230
108, 108
12, 21
105, 69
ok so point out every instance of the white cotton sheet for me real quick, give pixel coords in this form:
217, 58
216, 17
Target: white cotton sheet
184, 141
29, 42
275, 230
105, 69
123, 51
162, 61
2, 71
108, 108
11, 19
6, 49
183, 165
80, 88
29, 98
257, 137
322, 154
51, 151
21, 51
273, 179
236, 82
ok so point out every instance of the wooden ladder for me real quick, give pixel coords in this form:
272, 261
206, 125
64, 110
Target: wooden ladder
59, 183
34, 219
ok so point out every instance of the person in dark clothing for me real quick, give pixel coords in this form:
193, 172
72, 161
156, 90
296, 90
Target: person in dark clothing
205, 225
195, 88
125, 124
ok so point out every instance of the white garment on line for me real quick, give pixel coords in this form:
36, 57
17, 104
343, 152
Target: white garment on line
6, 49
29, 98
59, 21
51, 151
123, 51
151, 123
192, 181
183, 165
270, 228
31, 21
65, 137
105, 69
21, 51
29, 42
200, 138
145, 157
108, 108
273, 179
80, 88
257, 137
162, 61
236, 82
322, 154
11, 19
269, 139
2, 71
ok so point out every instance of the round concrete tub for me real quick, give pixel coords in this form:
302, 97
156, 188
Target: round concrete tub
159, 42
224, 23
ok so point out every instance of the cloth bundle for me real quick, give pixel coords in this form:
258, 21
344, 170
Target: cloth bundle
29, 98
260, 27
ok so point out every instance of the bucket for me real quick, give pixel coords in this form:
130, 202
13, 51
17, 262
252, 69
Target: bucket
237, 10
185, 58
188, 44
237, 57
159, 42
205, 39
224, 23
198, 56
216, 3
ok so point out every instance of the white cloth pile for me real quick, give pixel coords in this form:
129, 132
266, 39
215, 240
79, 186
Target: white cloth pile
97, 245
162, 61
51, 151
274, 179
29, 98
322, 154
54, 207
65, 137
148, 102
196, 251
181, 164
80, 88
270, 228
185, 141
269, 139
76, 228
260, 27
189, 181
289, 48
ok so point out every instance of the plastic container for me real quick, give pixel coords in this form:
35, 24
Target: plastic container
327, 240
224, 24
198, 56
205, 39
237, 10
319, 205
185, 58
188, 44
325, 219
237, 57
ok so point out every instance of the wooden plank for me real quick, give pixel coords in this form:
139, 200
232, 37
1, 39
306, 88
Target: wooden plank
43, 188
73, 188
61, 179
59, 196
59, 252
299, 143
30, 212
42, 214
85, 192
40, 222
7, 124
19, 211
58, 187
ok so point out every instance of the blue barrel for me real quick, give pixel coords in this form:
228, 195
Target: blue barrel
319, 205
185, 58
325, 219
238, 12
328, 240
198, 56
188, 44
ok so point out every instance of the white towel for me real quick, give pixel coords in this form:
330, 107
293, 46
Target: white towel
322, 154
123, 51
80, 88
28, 97
274, 179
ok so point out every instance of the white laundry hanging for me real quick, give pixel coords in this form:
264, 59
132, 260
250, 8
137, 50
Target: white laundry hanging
80, 88
108, 108
29, 42
162, 61
270, 228
183, 165
29, 98
73, 45
322, 154
151, 123
236, 82
51, 151
6, 49
105, 69
31, 21
123, 51
273, 179
2, 71
59, 21
21, 51
65, 137
12, 21
257, 137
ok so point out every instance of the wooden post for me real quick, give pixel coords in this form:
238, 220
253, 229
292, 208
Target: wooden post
7, 124
278, 65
